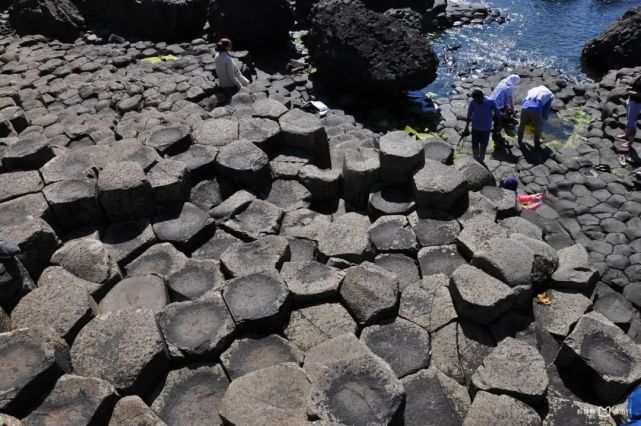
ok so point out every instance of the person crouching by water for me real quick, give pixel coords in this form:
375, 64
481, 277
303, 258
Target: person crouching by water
535, 110
481, 114
503, 95
230, 78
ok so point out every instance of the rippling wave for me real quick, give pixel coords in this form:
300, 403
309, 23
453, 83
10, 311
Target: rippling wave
541, 33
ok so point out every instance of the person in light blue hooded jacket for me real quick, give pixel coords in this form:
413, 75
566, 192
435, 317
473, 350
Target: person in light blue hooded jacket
503, 97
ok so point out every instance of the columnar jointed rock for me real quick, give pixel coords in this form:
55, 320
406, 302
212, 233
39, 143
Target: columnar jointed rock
244, 163
126, 240
313, 325
64, 307
602, 357
345, 242
36, 240
170, 181
265, 254
132, 411
125, 192
195, 279
258, 219
31, 360
303, 130
196, 328
393, 234
275, 395
514, 368
370, 292
574, 270
356, 390
506, 259
75, 400
439, 260
191, 395
401, 155
257, 300
428, 303
403, 266
89, 260
488, 409
437, 186
254, 353
161, 259
403, 345
434, 399
480, 297
123, 347
567, 308
361, 170
31, 152
322, 183
433, 227
351, 45
615, 47
184, 225
145, 291
312, 281
75, 203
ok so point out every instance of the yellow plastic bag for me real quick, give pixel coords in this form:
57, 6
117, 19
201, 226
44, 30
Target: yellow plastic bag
158, 59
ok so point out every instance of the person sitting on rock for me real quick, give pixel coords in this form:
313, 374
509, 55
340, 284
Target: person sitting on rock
535, 110
503, 96
229, 76
481, 113
634, 111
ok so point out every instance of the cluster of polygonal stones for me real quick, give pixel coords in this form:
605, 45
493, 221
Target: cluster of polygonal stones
254, 264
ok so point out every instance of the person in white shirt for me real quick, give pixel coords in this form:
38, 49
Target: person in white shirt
229, 76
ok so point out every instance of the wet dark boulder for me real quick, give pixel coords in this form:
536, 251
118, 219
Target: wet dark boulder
617, 46
249, 23
154, 19
362, 50
59, 19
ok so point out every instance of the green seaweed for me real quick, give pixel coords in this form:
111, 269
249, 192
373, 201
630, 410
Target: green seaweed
578, 116
425, 134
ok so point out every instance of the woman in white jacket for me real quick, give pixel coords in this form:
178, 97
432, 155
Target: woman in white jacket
229, 76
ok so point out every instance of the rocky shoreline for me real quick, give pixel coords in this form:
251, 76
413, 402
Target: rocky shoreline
193, 258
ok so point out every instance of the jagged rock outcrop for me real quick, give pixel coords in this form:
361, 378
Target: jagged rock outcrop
166, 20
617, 46
59, 19
259, 25
361, 50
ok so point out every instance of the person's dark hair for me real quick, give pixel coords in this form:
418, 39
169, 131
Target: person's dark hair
223, 44
477, 95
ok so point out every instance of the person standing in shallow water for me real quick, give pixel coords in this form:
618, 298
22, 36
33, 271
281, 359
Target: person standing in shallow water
535, 110
229, 76
481, 113
634, 111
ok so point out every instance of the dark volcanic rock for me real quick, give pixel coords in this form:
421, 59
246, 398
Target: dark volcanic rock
53, 18
433, 399
30, 361
514, 368
617, 46
230, 18
147, 291
154, 19
123, 347
351, 45
276, 395
601, 356
313, 325
256, 300
487, 409
370, 292
196, 328
195, 279
132, 411
403, 345
191, 395
65, 308
75, 400
253, 353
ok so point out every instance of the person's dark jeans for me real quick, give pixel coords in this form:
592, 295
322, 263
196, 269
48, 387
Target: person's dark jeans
479, 145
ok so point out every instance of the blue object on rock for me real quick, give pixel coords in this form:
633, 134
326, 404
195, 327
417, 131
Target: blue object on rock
634, 406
